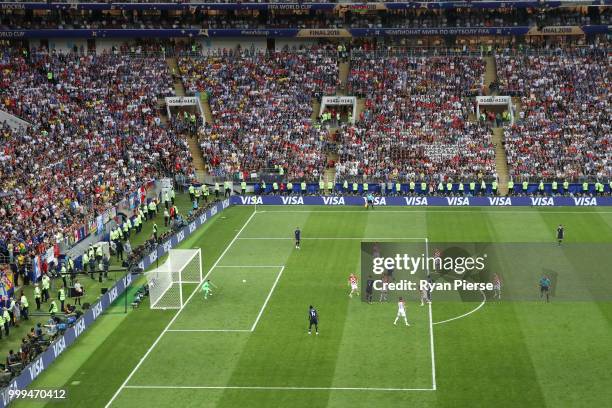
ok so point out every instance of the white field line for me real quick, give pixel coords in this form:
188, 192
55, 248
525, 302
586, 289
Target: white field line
333, 238
125, 386
177, 314
431, 338
267, 299
281, 267
250, 266
432, 210
229, 387
209, 330
433, 356
484, 300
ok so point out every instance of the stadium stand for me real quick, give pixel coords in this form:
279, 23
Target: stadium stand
564, 131
415, 123
97, 126
262, 109
95, 135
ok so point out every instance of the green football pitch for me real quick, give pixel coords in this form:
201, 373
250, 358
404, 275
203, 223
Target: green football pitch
247, 345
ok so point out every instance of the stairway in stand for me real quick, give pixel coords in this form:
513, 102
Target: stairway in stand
343, 73
178, 84
194, 147
316, 107
208, 116
501, 162
198, 160
360, 107
490, 75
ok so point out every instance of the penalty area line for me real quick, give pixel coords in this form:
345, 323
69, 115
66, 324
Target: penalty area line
267, 298
263, 388
431, 335
157, 340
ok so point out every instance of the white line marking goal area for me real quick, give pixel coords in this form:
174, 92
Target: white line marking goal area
281, 268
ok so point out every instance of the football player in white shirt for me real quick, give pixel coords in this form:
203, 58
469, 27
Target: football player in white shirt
353, 284
424, 297
401, 311
496, 287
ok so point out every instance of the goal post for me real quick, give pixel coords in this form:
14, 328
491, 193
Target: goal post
166, 282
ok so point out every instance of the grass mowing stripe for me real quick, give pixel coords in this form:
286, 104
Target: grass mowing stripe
510, 353
310, 277
583, 338
263, 307
96, 366
177, 314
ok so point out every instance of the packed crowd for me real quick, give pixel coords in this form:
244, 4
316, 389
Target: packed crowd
418, 18
82, 20
564, 130
205, 19
95, 135
262, 108
414, 125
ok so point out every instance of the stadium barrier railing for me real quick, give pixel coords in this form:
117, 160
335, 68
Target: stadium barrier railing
390, 188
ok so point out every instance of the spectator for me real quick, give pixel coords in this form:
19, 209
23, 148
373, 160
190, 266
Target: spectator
78, 292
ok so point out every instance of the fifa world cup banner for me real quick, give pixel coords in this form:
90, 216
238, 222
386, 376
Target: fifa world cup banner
294, 32
425, 201
35, 368
278, 5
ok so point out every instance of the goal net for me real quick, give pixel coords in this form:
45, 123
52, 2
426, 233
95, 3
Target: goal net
166, 282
